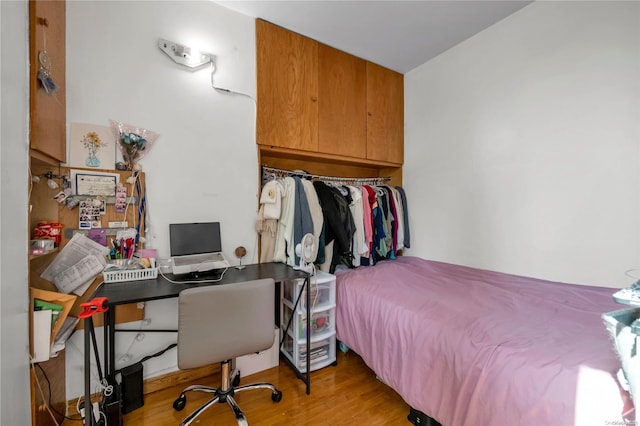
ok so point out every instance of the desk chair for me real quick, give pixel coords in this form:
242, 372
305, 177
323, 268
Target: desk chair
217, 323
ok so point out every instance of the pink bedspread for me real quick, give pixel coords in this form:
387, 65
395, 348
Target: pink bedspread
480, 348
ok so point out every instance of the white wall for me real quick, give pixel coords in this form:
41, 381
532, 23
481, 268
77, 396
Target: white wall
203, 166
15, 400
522, 145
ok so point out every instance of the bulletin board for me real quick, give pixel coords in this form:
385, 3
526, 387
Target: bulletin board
70, 219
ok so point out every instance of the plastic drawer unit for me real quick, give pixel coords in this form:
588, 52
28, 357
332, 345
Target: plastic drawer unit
323, 352
322, 335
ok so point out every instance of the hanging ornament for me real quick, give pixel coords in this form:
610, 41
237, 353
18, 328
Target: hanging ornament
44, 73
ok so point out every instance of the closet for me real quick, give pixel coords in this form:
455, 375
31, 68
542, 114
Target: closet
333, 112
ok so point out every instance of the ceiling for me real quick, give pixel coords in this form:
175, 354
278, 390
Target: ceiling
396, 34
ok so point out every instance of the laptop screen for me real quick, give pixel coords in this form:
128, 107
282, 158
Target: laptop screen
194, 238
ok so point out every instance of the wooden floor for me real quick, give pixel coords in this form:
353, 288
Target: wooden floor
346, 394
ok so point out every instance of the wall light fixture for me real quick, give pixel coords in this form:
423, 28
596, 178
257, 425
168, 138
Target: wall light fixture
185, 55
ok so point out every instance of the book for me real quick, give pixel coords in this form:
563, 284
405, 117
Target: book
41, 305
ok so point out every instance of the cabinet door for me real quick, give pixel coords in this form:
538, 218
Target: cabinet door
342, 117
385, 114
287, 73
48, 111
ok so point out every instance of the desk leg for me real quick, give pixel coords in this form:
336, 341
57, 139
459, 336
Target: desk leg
307, 282
109, 345
88, 323
113, 409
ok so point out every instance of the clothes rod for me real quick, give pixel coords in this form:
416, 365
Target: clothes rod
272, 172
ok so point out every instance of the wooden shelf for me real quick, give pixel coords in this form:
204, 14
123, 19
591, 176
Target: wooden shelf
38, 158
65, 300
274, 151
328, 165
41, 255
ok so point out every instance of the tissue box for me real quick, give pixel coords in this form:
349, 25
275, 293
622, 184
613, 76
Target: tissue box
41, 246
250, 364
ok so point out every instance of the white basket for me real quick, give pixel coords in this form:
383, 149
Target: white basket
130, 275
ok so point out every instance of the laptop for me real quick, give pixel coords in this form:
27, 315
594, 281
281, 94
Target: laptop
196, 247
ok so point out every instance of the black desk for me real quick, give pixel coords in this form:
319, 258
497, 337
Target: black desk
146, 290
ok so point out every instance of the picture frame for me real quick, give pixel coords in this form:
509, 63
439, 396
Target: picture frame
92, 146
93, 183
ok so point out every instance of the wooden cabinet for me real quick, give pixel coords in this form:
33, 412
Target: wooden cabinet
287, 69
385, 114
47, 117
342, 81
47, 49
313, 98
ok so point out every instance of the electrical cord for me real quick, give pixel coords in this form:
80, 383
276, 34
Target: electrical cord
157, 354
223, 90
48, 403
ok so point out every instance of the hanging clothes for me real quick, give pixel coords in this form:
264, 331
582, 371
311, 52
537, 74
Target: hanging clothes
339, 225
399, 244
356, 225
283, 251
405, 214
302, 221
316, 216
392, 222
268, 216
367, 225
356, 208
383, 228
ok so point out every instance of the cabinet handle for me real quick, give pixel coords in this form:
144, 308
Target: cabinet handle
314, 99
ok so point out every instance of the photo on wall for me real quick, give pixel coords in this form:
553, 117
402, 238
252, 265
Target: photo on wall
92, 146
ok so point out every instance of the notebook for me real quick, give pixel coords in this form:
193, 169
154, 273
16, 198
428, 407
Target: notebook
196, 247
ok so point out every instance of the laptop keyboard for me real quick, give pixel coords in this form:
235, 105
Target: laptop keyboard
198, 258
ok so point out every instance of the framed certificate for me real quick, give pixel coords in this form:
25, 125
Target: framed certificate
92, 184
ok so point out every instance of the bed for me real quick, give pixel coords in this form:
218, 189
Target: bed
473, 347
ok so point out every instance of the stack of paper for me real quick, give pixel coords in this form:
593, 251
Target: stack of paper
77, 265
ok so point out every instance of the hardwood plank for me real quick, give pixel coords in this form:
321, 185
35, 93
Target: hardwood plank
346, 394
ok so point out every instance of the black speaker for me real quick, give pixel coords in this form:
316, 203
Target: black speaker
132, 388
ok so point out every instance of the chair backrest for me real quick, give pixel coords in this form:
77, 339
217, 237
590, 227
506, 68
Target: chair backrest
220, 322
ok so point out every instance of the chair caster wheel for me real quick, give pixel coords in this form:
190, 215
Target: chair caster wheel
180, 402
276, 397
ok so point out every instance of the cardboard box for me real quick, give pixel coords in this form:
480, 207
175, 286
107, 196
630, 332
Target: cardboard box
254, 363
